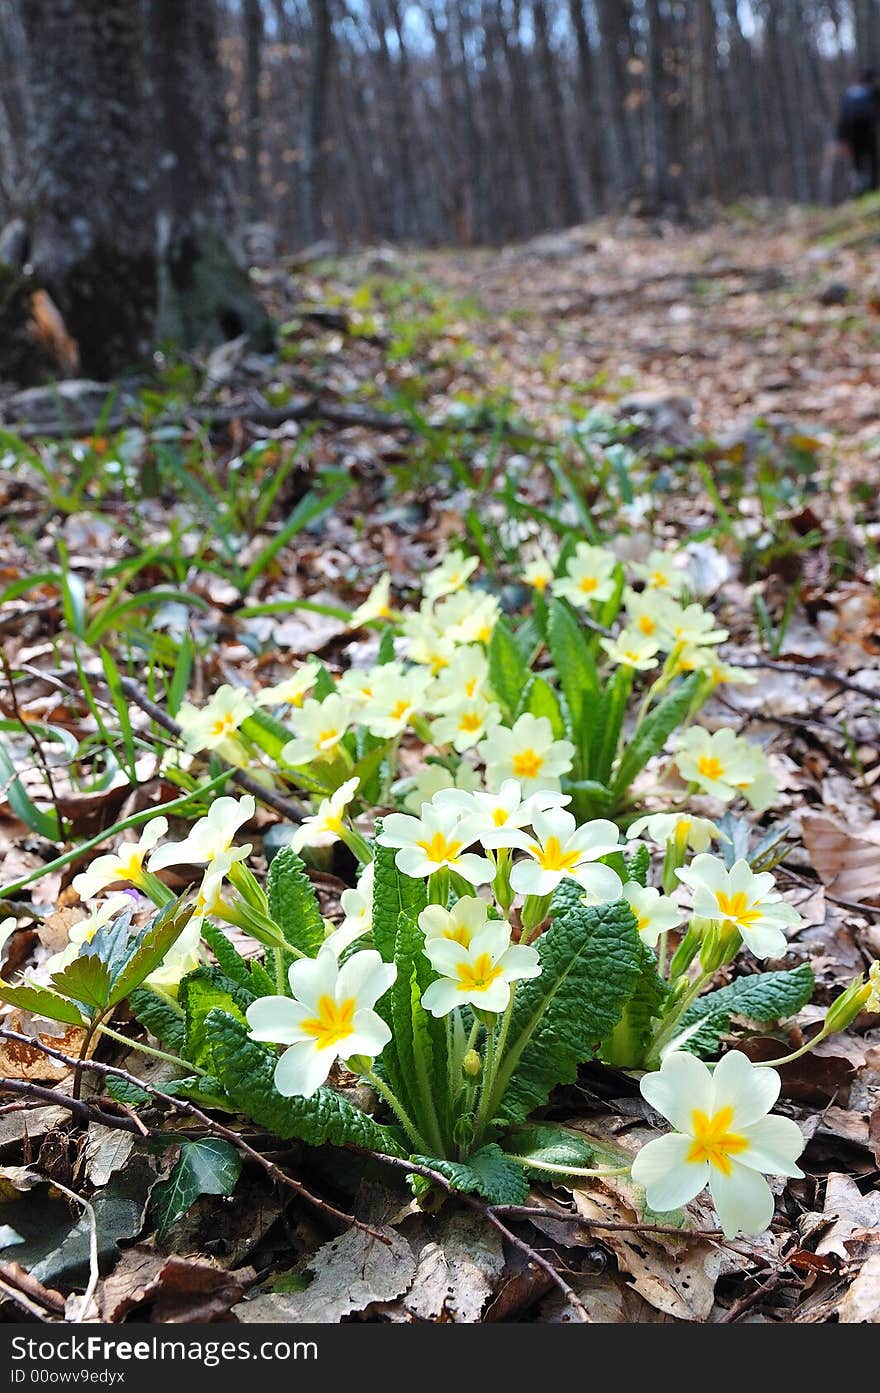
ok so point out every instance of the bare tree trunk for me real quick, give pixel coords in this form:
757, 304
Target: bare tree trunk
567, 193
204, 295
590, 105
316, 125
252, 17
614, 21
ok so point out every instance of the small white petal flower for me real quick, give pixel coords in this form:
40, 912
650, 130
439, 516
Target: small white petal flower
632, 649
318, 727
211, 727
723, 1138
211, 836
330, 1017
538, 574
182, 958
680, 828
561, 849
465, 678
398, 696
655, 914
459, 924
465, 725
292, 691
326, 825
528, 753
125, 864
692, 625
739, 899
452, 573
357, 907
724, 765
467, 617
661, 572
498, 814
377, 605
478, 973
436, 839
421, 788
589, 577
7, 929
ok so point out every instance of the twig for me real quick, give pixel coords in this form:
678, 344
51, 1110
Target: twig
28, 1293
181, 1105
491, 1214
751, 1298
857, 905
530, 1211
288, 807
822, 674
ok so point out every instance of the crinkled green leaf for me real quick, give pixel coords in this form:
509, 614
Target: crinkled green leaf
393, 895
250, 976
160, 1018
590, 959
539, 699
573, 661
508, 671
199, 993
246, 1070
488, 1173
655, 730
626, 1045
766, 996
293, 903
638, 865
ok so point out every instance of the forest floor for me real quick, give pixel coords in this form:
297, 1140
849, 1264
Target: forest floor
739, 361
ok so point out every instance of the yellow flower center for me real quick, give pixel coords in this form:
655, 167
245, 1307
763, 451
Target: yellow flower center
438, 661
459, 933
478, 976
400, 709
334, 1021
540, 583
440, 849
484, 634
713, 1142
527, 764
326, 737
710, 767
642, 922
131, 868
588, 584
647, 625
470, 686
332, 823
659, 579
470, 721
551, 857
222, 724
500, 816
736, 907
682, 832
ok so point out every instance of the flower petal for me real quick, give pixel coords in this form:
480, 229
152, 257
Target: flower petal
682, 1084
302, 1069
669, 1179
275, 1019
775, 1143
743, 1199
751, 1091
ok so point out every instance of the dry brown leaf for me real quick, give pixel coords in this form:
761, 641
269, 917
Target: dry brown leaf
861, 1303
850, 1212
20, 1061
847, 862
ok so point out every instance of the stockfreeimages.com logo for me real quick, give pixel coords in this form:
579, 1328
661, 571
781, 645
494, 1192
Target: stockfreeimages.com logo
91, 1349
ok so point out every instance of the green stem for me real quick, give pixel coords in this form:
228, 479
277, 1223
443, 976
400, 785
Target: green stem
667, 1029
153, 1053
399, 1111
488, 1102
564, 1170
136, 820
796, 1054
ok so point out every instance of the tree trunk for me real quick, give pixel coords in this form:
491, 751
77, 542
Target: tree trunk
590, 105
614, 20
567, 192
252, 19
203, 294
316, 128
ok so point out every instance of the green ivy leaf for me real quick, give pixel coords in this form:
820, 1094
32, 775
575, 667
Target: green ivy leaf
246, 1070
488, 1173
764, 997
293, 903
210, 1166
590, 959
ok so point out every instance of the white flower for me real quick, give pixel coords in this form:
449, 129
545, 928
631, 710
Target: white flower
293, 689
358, 686
357, 907
318, 728
7, 929
498, 814
478, 973
326, 825
435, 840
182, 958
125, 864
692, 626
466, 678
655, 914
398, 696
725, 766
527, 752
681, 828
739, 899
660, 572
645, 611
330, 1017
560, 848
466, 725
420, 788
450, 575
706, 660
210, 892
632, 649
466, 918
427, 645
84, 931
538, 574
377, 605
723, 1138
467, 617
872, 1002
589, 576
210, 727
211, 836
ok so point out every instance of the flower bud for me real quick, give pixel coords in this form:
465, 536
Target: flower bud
721, 943
472, 1065
844, 1010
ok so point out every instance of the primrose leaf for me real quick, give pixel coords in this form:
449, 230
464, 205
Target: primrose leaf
488, 1173
394, 895
293, 903
763, 997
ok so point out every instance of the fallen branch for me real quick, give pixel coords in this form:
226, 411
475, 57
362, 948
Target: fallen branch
821, 674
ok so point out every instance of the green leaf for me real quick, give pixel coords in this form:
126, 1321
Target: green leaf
415, 1058
162, 932
120, 702
539, 699
488, 1173
655, 731
86, 980
590, 959
394, 894
44, 823
251, 977
508, 672
42, 1002
626, 1046
764, 997
199, 993
210, 1166
603, 740
159, 1017
547, 1147
638, 865
293, 903
268, 735
573, 661
246, 1070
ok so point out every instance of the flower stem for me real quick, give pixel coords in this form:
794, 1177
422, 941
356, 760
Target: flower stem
399, 1111
553, 1169
153, 1053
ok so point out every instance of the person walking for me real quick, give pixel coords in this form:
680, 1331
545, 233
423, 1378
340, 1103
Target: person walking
857, 129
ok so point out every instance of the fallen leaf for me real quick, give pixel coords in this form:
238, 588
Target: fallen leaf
847, 862
861, 1302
